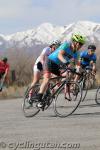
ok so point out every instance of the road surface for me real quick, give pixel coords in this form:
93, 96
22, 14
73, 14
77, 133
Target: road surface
80, 131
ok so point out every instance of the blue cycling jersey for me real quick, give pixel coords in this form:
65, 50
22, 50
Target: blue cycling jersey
86, 58
69, 54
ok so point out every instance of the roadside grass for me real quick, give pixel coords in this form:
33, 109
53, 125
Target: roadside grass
18, 91
12, 92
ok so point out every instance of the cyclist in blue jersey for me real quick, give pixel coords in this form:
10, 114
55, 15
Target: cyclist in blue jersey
62, 55
88, 58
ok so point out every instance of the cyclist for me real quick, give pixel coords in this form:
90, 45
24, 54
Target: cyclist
4, 69
62, 55
87, 58
41, 62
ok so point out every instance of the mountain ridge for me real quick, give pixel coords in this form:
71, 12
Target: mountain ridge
46, 32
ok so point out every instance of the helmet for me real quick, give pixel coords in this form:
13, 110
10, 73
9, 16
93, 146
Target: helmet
93, 47
78, 38
56, 42
5, 59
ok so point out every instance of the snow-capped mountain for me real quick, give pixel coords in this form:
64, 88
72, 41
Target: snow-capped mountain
41, 35
47, 32
89, 29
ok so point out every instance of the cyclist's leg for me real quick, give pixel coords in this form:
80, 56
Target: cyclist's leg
78, 70
36, 76
1, 80
43, 88
52, 68
66, 74
0, 76
45, 81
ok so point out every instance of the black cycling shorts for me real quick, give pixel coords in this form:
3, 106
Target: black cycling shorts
53, 68
39, 66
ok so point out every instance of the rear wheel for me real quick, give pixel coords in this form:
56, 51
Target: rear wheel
65, 106
30, 109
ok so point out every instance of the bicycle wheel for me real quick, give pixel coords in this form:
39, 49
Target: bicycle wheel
30, 110
65, 107
97, 97
86, 84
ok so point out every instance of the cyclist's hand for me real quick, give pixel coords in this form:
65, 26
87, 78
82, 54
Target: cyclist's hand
67, 63
63, 66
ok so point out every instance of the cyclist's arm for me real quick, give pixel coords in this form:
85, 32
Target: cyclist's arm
79, 62
6, 75
93, 63
61, 56
80, 58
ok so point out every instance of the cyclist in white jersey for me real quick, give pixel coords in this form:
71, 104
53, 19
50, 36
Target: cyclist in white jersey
40, 66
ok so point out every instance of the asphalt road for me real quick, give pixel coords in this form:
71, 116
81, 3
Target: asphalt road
80, 131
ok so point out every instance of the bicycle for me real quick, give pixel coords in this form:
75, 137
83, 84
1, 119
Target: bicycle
62, 108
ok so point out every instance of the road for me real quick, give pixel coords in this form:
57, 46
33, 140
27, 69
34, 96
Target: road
80, 131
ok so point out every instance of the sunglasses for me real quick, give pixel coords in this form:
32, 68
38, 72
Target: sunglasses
80, 44
92, 50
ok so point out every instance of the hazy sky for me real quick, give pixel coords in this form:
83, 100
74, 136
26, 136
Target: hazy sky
21, 15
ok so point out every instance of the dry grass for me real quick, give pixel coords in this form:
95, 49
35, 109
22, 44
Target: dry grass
98, 79
16, 92
12, 92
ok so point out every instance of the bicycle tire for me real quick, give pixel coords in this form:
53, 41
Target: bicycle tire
97, 96
30, 110
58, 106
86, 85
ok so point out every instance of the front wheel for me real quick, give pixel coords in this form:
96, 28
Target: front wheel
85, 86
29, 109
97, 97
65, 106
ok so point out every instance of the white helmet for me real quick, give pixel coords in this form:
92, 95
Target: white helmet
56, 42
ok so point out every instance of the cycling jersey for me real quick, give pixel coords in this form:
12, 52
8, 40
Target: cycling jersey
86, 58
43, 58
69, 54
3, 67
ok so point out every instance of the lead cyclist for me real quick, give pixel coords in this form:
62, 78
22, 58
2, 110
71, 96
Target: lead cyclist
61, 55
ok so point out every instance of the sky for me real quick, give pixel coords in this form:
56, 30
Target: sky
22, 15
